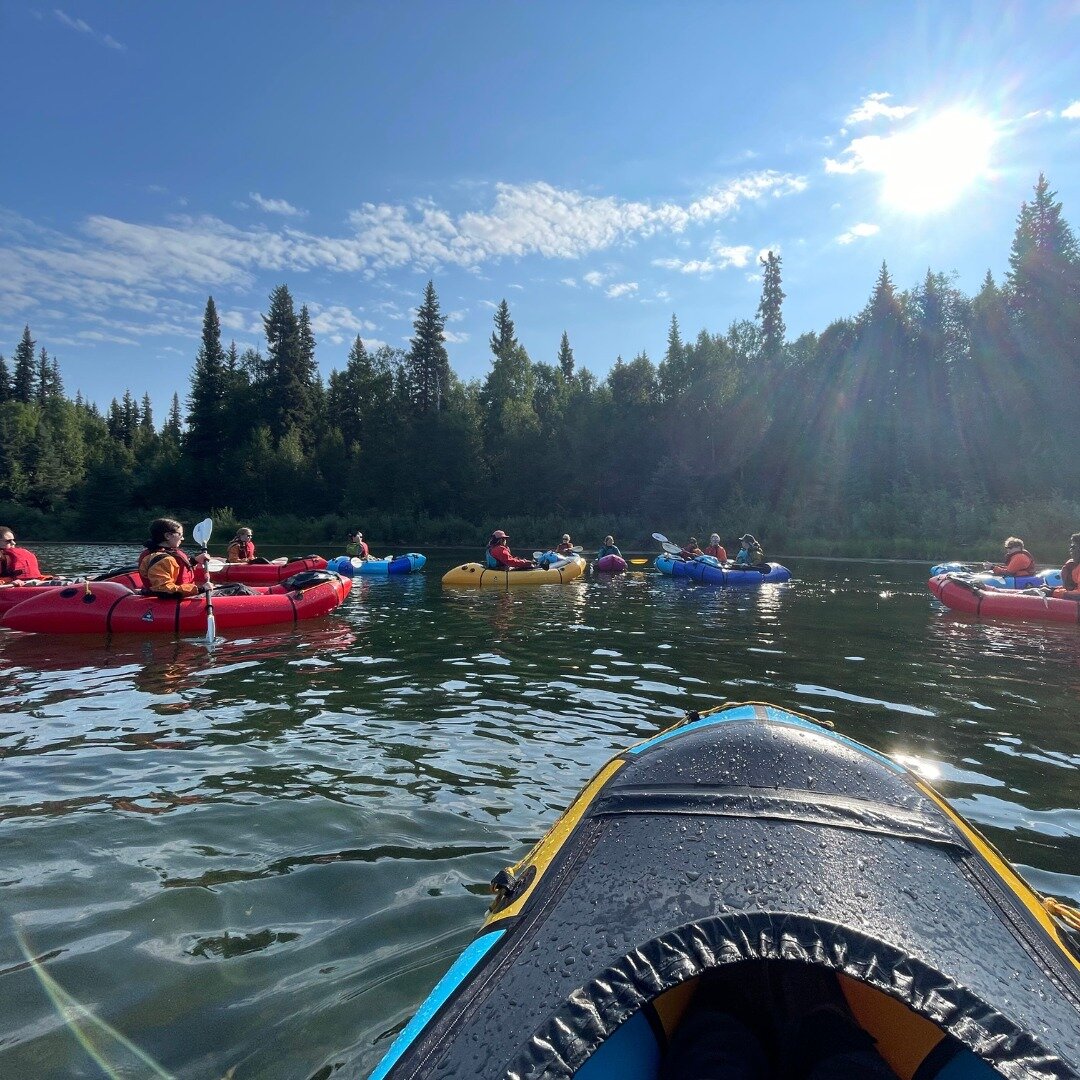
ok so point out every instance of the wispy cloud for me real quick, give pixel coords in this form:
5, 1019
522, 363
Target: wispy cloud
874, 107
623, 288
593, 278
858, 232
82, 27
276, 206
723, 257
1071, 112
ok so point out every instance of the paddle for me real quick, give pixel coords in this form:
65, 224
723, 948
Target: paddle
201, 535
660, 538
638, 562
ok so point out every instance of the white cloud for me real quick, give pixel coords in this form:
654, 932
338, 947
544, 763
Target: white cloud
337, 317
873, 107
594, 278
625, 288
1071, 112
82, 27
276, 206
454, 338
569, 282
724, 257
856, 232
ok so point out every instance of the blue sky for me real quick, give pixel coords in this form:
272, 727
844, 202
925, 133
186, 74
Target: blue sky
601, 166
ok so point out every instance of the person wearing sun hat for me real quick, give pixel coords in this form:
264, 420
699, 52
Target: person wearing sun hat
716, 549
750, 551
498, 555
564, 546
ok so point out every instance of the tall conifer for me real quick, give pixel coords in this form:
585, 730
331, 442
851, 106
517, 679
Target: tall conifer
427, 361
22, 387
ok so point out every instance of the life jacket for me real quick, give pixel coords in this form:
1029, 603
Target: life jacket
240, 551
691, 553
185, 572
717, 551
565, 549
17, 562
1070, 575
1019, 564
499, 558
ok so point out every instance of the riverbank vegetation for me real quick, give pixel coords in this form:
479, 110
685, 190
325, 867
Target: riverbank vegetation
931, 424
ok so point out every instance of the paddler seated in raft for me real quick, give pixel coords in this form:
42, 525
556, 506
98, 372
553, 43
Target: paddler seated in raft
18, 566
691, 551
716, 549
242, 549
166, 570
750, 552
498, 555
356, 548
608, 547
1019, 562
1070, 573
564, 547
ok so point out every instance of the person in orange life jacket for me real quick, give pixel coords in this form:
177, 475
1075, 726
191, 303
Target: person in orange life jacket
1070, 572
691, 550
498, 552
564, 547
165, 569
241, 547
716, 549
1019, 562
356, 546
16, 562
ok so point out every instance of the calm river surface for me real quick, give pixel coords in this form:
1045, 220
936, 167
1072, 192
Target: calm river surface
255, 861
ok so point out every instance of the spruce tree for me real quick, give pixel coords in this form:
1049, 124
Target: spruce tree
770, 311
206, 404
1043, 260
503, 341
289, 374
566, 358
427, 361
5, 381
22, 388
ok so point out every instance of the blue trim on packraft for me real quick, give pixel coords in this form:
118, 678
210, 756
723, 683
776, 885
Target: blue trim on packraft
780, 716
444, 989
706, 569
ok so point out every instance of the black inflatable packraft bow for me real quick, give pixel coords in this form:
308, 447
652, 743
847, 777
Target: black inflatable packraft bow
753, 834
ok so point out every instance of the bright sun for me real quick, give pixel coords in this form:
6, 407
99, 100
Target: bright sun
930, 166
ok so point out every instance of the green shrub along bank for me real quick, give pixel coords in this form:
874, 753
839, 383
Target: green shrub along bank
929, 528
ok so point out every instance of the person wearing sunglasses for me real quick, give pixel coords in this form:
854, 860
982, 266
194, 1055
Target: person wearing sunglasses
165, 569
16, 563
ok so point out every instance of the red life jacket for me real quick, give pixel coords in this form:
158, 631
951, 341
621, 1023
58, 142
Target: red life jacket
717, 551
244, 549
185, 572
1070, 575
17, 562
1019, 564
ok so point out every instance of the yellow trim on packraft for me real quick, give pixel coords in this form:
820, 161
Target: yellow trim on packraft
544, 851
1035, 903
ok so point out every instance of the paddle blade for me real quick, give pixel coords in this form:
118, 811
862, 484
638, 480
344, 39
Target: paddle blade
671, 549
279, 562
201, 533
356, 561
660, 538
638, 562
211, 622
577, 549
537, 554
215, 566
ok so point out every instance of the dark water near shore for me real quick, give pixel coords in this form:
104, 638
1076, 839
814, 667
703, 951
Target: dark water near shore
261, 858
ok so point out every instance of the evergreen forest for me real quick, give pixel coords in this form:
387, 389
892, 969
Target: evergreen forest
931, 424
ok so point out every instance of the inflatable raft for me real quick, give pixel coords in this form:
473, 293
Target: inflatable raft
477, 576
266, 573
751, 843
708, 570
107, 607
391, 565
610, 564
11, 595
986, 580
958, 592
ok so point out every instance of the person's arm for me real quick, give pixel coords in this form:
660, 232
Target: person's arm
162, 575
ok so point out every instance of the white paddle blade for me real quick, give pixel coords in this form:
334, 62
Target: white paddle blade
279, 562
356, 561
537, 554
577, 549
671, 549
201, 533
215, 566
660, 538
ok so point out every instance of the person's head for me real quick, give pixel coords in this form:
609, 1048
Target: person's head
609, 539
7, 537
692, 542
565, 538
498, 537
1074, 543
1014, 543
747, 540
166, 532
715, 538
243, 534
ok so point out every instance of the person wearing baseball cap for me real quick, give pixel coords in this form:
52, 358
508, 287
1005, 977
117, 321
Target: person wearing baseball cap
750, 551
356, 547
498, 555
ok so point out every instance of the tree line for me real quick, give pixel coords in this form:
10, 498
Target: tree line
928, 418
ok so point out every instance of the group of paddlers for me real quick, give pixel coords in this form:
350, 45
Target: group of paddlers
750, 552
1019, 562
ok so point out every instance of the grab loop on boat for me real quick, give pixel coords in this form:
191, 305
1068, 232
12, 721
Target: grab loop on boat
508, 886
1064, 913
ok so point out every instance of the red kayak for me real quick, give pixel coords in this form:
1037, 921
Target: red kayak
961, 595
266, 573
106, 607
11, 595
610, 564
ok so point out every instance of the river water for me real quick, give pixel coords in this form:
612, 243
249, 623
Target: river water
255, 860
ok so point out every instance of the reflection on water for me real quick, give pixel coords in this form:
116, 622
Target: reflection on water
260, 856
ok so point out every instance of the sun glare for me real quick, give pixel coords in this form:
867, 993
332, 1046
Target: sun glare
928, 168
